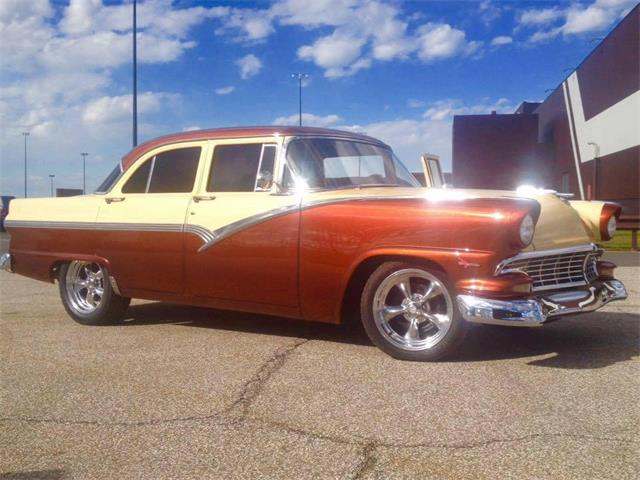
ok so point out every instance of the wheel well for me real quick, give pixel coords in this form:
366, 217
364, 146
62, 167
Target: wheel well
350, 310
55, 268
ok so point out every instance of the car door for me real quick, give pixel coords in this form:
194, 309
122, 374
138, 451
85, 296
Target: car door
143, 219
252, 253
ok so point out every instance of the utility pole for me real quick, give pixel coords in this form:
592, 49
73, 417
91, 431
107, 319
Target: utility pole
135, 74
51, 176
25, 135
300, 76
84, 172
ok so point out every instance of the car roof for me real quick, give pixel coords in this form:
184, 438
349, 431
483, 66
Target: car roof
240, 132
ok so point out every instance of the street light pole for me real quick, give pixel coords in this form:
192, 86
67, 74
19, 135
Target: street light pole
84, 172
52, 177
135, 74
25, 135
300, 76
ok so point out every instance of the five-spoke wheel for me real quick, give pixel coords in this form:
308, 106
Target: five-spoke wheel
87, 294
409, 312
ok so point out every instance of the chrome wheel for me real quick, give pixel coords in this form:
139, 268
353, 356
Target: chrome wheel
85, 286
412, 309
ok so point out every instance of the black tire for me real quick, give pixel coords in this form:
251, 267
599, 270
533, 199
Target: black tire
111, 307
448, 339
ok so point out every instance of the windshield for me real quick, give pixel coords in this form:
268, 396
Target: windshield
327, 164
108, 182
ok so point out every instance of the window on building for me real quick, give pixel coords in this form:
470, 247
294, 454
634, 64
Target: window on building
242, 168
173, 171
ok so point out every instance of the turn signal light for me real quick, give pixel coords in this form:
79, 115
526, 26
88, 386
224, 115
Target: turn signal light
609, 220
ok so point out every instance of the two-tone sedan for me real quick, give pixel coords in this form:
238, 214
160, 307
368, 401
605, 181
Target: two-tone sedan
320, 225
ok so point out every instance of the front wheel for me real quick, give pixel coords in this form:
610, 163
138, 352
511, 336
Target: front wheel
409, 312
87, 294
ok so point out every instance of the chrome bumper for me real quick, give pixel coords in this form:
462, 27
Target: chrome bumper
6, 262
536, 311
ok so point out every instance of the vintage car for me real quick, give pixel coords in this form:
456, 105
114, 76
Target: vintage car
315, 224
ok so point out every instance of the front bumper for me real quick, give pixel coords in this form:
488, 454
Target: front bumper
533, 312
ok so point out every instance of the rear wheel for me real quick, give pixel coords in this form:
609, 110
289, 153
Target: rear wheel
409, 312
87, 294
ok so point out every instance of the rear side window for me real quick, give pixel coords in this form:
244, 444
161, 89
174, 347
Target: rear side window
235, 168
173, 171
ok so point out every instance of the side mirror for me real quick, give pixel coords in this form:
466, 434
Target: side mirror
264, 181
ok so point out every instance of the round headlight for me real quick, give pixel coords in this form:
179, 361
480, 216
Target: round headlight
611, 226
527, 228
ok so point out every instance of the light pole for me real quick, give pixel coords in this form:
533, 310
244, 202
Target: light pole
25, 135
135, 75
51, 176
300, 76
84, 172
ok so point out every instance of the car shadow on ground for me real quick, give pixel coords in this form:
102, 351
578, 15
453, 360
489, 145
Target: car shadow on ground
587, 341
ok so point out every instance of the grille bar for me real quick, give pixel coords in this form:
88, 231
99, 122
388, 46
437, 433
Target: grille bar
553, 269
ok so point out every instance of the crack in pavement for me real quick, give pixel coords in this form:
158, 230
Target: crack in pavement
249, 392
368, 461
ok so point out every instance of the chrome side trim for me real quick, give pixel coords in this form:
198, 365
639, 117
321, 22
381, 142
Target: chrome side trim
235, 227
197, 230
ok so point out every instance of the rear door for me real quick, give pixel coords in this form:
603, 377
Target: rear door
143, 219
252, 255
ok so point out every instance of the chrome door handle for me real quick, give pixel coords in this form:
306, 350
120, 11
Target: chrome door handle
203, 198
114, 199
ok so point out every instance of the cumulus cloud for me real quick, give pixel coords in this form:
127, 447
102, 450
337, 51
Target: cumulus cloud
501, 40
249, 66
225, 90
576, 19
446, 109
354, 33
309, 120
58, 64
438, 41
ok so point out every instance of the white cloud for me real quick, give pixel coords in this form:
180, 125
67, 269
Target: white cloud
576, 19
58, 64
438, 41
249, 66
354, 33
501, 40
540, 16
413, 103
118, 108
191, 128
225, 90
309, 120
446, 109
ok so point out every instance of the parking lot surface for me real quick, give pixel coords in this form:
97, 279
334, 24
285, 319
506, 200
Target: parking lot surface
181, 392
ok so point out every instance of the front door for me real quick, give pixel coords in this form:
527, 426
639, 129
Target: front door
252, 252
143, 218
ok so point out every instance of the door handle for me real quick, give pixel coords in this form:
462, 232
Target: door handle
203, 198
114, 199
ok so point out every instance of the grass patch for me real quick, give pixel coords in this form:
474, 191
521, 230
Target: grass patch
621, 241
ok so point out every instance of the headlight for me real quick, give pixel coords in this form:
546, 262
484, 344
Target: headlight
527, 228
612, 224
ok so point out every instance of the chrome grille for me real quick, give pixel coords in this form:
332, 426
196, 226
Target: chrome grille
554, 269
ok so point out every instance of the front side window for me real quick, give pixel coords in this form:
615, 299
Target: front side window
242, 168
436, 174
110, 181
173, 171
325, 163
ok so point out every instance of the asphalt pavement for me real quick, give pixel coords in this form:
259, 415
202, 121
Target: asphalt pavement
182, 392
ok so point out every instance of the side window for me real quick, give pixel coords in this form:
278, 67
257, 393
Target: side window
242, 168
173, 171
436, 174
137, 182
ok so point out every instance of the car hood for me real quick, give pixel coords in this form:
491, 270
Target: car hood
558, 226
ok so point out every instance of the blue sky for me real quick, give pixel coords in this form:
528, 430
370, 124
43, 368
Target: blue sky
395, 70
